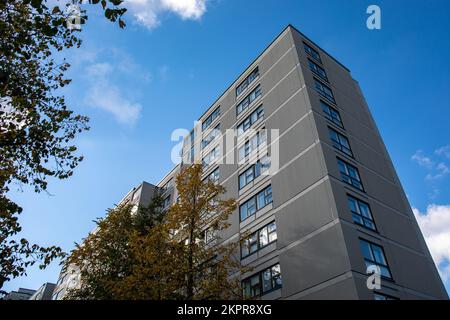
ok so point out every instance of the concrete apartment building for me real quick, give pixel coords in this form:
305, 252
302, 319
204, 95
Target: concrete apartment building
44, 292
333, 206
21, 294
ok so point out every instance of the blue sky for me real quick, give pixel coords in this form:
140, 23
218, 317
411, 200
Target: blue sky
176, 57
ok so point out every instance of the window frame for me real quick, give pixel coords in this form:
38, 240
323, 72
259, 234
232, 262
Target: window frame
385, 296
329, 116
322, 91
255, 200
247, 81
358, 203
338, 145
210, 119
317, 70
247, 146
347, 175
257, 170
313, 53
166, 201
211, 136
374, 262
259, 111
214, 150
260, 276
208, 177
258, 239
248, 100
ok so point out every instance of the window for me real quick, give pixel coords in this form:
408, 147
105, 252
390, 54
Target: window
361, 213
374, 255
210, 157
252, 144
250, 120
211, 136
214, 176
262, 282
210, 119
380, 296
318, 70
324, 90
254, 171
340, 142
350, 175
192, 141
209, 235
243, 105
247, 81
168, 185
331, 114
255, 203
312, 52
259, 239
166, 202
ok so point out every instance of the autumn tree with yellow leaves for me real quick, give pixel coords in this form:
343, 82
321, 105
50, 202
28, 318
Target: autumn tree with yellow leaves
156, 255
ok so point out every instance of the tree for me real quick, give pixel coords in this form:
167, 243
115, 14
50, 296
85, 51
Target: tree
198, 218
158, 255
128, 256
36, 125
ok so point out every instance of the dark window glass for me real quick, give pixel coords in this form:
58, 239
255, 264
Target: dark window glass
361, 213
210, 119
340, 142
374, 255
267, 280
254, 171
259, 239
350, 175
331, 114
324, 91
211, 136
255, 203
244, 104
247, 81
250, 120
312, 52
379, 296
318, 70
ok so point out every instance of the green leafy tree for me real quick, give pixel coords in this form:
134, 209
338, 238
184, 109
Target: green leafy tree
36, 125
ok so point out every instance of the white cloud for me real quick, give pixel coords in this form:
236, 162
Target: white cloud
148, 12
438, 169
442, 170
443, 151
104, 94
435, 225
109, 98
422, 160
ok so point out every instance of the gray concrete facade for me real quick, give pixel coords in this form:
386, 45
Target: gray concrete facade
320, 247
318, 244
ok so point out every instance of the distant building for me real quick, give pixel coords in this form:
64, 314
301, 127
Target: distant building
44, 292
21, 294
69, 277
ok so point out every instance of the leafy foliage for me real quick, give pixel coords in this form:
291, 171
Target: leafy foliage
198, 218
36, 125
162, 255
